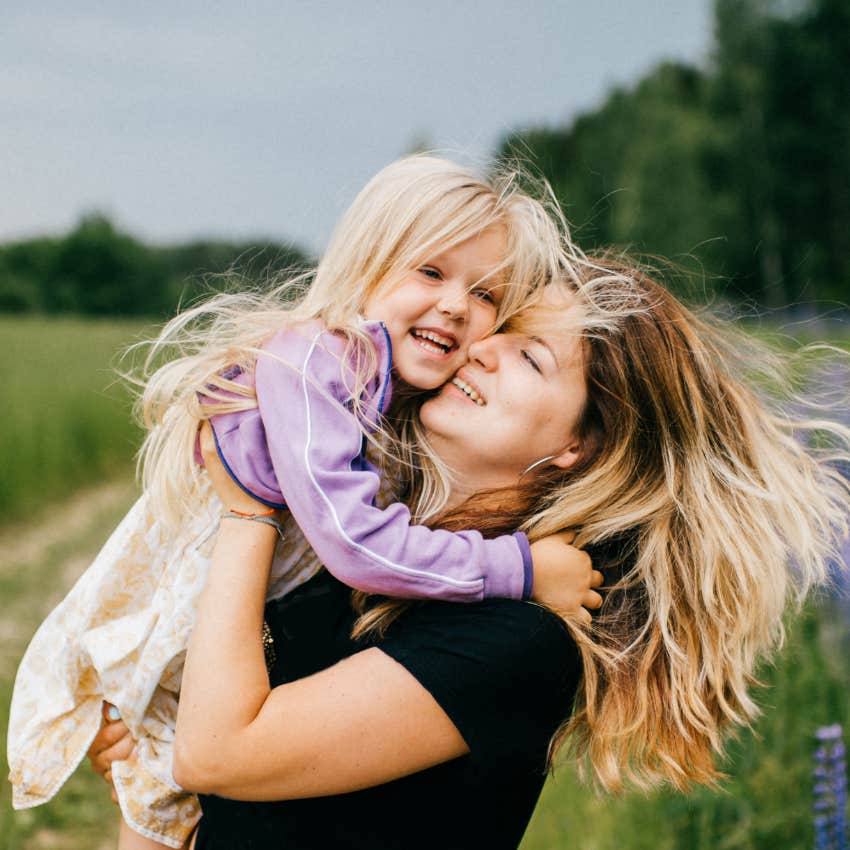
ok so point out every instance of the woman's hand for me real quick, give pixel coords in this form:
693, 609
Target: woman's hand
112, 743
232, 496
564, 577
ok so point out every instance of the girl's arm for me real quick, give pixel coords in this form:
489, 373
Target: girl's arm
317, 448
360, 723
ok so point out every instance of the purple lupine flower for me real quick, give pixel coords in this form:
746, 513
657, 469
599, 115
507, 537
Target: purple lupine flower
830, 790
826, 392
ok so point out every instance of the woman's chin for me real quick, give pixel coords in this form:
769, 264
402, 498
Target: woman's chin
440, 411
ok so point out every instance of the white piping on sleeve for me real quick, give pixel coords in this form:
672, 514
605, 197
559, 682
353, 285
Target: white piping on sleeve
460, 583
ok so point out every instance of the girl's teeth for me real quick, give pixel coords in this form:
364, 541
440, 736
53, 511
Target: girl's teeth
440, 340
429, 347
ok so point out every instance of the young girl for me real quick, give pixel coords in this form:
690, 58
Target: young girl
428, 260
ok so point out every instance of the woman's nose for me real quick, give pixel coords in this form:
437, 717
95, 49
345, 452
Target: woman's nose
485, 352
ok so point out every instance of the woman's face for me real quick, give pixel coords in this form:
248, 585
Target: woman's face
519, 399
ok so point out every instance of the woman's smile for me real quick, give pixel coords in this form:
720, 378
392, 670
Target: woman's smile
469, 390
529, 392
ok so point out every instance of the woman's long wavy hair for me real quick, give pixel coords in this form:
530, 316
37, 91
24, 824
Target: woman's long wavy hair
722, 499
411, 209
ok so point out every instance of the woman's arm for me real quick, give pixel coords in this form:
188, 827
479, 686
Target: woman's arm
363, 722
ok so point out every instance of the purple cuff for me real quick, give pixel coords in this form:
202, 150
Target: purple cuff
527, 565
232, 474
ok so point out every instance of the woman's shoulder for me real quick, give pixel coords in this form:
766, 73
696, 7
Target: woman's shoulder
529, 626
517, 642
505, 672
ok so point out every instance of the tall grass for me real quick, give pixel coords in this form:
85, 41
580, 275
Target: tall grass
64, 417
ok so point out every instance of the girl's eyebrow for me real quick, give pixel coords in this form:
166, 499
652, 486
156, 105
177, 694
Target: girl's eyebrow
542, 342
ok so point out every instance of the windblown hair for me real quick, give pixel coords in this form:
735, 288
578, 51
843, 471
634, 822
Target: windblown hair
410, 210
722, 499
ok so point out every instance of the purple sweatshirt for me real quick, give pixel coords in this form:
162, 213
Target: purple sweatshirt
302, 449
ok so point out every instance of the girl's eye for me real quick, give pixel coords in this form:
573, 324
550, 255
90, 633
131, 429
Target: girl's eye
532, 362
484, 295
430, 271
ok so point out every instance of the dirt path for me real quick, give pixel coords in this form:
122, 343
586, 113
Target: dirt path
23, 544
39, 561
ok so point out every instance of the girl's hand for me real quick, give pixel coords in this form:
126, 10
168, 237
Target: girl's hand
232, 496
564, 577
112, 743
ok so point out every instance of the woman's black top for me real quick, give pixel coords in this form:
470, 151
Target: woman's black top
505, 672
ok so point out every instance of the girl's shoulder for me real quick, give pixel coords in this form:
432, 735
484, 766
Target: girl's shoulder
313, 336
358, 361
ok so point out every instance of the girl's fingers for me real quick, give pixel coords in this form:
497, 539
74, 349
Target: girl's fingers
591, 599
596, 578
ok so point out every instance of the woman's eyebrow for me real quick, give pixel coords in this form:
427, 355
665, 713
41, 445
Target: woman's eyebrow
540, 341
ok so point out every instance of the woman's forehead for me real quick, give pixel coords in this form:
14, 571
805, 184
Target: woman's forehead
553, 313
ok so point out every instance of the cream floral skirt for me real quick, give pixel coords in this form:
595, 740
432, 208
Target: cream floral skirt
121, 635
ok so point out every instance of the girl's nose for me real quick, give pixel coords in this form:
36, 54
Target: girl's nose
454, 301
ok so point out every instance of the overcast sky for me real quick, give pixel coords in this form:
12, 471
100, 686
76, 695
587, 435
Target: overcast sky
263, 119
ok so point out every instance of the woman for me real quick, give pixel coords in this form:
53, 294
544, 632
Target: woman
611, 409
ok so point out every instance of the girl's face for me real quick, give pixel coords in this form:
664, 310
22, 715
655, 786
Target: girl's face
520, 398
436, 310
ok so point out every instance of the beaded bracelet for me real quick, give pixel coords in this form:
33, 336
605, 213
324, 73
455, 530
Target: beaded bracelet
265, 519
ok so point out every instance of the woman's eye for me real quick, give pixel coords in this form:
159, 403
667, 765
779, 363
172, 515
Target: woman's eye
430, 271
532, 362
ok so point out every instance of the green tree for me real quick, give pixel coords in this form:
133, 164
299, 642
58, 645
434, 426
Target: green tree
100, 271
24, 268
744, 164
631, 173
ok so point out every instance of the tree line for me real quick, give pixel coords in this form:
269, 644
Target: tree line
740, 169
99, 270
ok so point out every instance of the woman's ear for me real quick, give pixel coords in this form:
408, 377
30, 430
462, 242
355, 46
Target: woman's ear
568, 456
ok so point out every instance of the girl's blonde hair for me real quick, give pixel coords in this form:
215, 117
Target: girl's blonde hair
410, 210
722, 501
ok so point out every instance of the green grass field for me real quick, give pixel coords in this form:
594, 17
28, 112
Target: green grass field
67, 425
66, 416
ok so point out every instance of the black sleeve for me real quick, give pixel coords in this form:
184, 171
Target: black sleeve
505, 672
